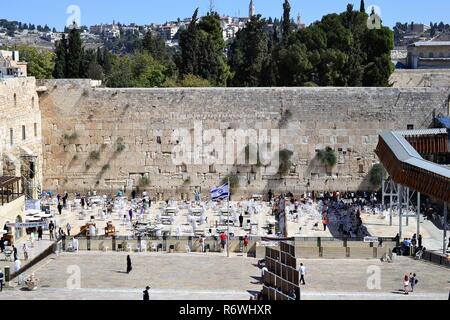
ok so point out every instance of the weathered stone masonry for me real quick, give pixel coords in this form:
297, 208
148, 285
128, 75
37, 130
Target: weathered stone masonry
84, 130
20, 131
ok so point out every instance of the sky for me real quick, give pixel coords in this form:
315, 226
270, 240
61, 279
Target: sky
54, 12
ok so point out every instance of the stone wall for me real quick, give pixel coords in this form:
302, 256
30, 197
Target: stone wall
19, 111
410, 78
105, 139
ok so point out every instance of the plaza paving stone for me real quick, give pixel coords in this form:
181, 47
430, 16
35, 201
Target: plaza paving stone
216, 277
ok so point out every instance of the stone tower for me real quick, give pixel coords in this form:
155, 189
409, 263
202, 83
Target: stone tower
251, 11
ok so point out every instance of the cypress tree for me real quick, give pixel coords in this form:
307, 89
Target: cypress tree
74, 54
286, 20
362, 7
59, 71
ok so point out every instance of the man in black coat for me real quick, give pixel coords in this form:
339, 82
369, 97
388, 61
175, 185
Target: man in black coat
146, 294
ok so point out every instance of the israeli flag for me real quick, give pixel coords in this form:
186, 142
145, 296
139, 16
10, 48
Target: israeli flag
220, 193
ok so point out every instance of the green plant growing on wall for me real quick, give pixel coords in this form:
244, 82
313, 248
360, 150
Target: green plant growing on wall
94, 156
70, 137
247, 156
106, 167
285, 162
328, 157
85, 93
144, 182
376, 175
187, 180
120, 146
87, 166
234, 182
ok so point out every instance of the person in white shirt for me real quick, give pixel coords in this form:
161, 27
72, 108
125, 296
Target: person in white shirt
263, 271
17, 265
202, 243
302, 271
75, 244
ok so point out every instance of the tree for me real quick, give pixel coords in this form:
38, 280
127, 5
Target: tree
286, 20
249, 53
74, 54
138, 70
40, 61
362, 7
192, 81
189, 44
59, 71
202, 48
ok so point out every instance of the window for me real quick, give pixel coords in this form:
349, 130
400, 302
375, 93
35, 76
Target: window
212, 169
15, 100
158, 140
35, 129
431, 55
32, 102
11, 136
410, 127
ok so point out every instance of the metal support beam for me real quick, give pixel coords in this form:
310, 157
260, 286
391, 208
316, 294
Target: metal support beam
390, 202
444, 249
418, 213
407, 206
400, 210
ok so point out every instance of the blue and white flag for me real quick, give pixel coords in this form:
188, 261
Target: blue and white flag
220, 193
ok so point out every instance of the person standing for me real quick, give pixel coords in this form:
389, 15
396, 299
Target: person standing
325, 223
2, 245
302, 271
419, 241
15, 252
129, 266
60, 207
39, 233
146, 294
1, 280
406, 283
202, 243
246, 241
241, 220
25, 251
17, 265
270, 194
413, 281
263, 272
68, 227
223, 240
130, 213
51, 228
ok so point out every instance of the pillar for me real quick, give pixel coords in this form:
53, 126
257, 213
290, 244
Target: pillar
444, 249
407, 206
418, 213
391, 183
400, 209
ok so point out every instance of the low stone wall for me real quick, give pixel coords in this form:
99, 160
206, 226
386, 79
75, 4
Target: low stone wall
404, 78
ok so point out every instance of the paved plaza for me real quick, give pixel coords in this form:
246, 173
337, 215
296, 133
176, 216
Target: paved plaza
216, 277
